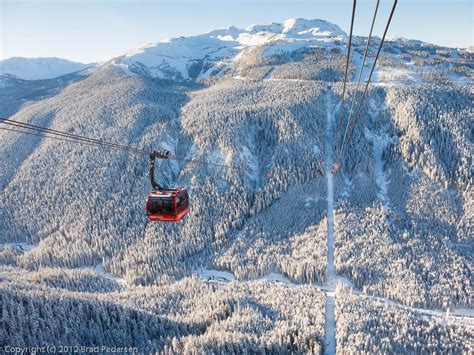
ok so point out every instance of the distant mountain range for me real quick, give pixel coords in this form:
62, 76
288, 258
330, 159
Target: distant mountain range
39, 68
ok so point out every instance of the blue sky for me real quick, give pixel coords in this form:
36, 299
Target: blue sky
96, 30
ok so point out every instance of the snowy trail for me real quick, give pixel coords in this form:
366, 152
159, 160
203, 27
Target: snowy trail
21, 246
379, 141
329, 333
242, 78
99, 269
330, 326
269, 74
461, 316
331, 272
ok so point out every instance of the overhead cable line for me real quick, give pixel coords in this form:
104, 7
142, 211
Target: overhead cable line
345, 142
341, 107
74, 138
354, 96
43, 135
69, 135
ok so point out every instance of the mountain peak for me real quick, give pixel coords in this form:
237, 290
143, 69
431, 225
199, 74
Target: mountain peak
314, 26
299, 26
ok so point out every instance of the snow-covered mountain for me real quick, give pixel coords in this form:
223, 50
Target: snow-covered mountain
230, 50
39, 68
282, 258
201, 56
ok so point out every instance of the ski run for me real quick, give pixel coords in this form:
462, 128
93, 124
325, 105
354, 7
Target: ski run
461, 316
329, 333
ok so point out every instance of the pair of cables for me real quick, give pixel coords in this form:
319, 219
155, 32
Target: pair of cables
34, 130
30, 129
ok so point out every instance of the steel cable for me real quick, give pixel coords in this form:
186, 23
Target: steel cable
341, 108
354, 96
367, 83
68, 137
47, 136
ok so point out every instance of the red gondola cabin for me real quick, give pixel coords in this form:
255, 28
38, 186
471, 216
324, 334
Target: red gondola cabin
167, 205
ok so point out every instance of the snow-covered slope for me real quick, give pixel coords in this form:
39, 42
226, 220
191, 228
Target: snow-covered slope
200, 56
39, 68
299, 28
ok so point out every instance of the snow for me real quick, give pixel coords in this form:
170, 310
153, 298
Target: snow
212, 275
298, 27
463, 316
463, 312
347, 189
330, 325
331, 273
269, 73
308, 201
315, 27
24, 247
123, 67
99, 269
455, 53
460, 316
316, 150
39, 68
175, 58
461, 80
272, 28
290, 45
289, 80
379, 142
246, 39
358, 59
218, 157
391, 76
251, 162
286, 47
276, 277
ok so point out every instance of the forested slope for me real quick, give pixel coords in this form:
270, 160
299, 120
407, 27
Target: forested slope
186, 316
